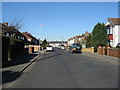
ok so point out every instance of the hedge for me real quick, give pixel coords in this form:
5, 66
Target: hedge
11, 48
5, 47
16, 48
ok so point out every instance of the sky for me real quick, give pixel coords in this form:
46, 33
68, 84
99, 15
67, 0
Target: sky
62, 20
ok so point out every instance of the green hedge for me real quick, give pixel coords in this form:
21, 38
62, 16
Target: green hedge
11, 48
5, 47
16, 48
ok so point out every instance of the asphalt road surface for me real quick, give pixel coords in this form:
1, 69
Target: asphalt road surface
60, 69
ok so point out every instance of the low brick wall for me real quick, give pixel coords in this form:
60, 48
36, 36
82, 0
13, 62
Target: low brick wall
91, 50
113, 52
32, 48
102, 50
36, 47
108, 51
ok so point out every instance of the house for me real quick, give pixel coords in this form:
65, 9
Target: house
10, 31
31, 38
71, 41
113, 30
79, 39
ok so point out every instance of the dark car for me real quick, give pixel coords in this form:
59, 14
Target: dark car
76, 47
118, 45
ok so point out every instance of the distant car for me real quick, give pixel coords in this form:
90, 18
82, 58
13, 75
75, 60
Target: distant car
75, 47
118, 45
59, 46
63, 47
49, 48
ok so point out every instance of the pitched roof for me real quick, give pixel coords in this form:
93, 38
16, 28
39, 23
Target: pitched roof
29, 36
115, 21
9, 29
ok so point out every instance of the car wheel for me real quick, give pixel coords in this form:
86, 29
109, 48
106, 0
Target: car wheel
69, 51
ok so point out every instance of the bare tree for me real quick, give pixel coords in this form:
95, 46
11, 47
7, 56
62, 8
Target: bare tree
17, 24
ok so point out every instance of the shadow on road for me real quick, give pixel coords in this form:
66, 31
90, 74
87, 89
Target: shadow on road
49, 57
17, 61
9, 76
76, 53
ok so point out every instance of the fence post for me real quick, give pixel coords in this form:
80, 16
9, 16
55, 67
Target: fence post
98, 49
92, 49
108, 50
103, 50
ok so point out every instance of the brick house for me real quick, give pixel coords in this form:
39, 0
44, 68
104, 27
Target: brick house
113, 30
30, 38
10, 31
79, 39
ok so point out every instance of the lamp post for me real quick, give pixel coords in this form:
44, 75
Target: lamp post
41, 25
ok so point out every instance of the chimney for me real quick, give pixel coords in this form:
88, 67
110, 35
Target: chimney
5, 23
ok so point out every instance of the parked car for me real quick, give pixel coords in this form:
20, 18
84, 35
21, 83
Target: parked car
75, 47
49, 48
63, 47
59, 46
118, 45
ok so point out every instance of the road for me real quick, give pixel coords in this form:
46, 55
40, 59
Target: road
60, 69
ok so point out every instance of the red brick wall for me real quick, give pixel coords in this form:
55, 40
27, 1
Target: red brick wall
100, 50
113, 52
108, 51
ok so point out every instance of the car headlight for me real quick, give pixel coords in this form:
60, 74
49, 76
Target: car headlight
74, 48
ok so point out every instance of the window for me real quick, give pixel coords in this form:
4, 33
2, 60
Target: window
11, 35
111, 30
18, 37
7, 34
108, 30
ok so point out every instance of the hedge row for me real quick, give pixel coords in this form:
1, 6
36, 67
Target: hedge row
5, 47
16, 48
11, 48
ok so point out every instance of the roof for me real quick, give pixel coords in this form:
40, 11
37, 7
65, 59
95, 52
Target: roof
78, 36
29, 36
10, 29
115, 21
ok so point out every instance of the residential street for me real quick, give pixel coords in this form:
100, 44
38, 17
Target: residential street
60, 69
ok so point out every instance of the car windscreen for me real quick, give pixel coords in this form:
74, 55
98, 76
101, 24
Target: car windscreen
76, 45
49, 46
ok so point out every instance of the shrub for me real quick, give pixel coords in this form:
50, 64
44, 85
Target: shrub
16, 48
28, 43
100, 37
5, 47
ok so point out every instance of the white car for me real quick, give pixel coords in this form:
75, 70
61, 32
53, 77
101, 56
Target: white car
59, 46
62, 47
49, 48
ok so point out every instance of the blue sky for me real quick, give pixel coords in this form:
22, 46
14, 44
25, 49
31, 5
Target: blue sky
61, 19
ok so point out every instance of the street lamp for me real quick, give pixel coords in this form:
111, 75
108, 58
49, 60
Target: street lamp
41, 25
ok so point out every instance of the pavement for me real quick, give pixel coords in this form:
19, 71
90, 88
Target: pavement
12, 71
102, 57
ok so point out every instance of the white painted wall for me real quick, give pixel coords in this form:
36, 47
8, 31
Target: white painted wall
115, 35
118, 33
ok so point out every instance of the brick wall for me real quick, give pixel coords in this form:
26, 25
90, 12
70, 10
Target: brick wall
113, 52
108, 51
91, 50
102, 50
